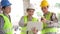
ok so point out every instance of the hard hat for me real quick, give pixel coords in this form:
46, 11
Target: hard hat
31, 7
5, 3
44, 3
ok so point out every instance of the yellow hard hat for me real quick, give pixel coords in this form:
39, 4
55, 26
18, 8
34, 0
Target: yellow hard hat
44, 3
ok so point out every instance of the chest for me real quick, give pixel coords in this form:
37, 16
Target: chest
48, 16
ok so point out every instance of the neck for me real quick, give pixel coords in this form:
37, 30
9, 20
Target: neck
29, 16
46, 12
5, 13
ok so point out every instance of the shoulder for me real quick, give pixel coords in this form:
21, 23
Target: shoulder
23, 17
35, 18
53, 13
1, 18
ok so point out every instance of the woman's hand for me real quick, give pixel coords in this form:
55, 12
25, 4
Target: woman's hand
34, 30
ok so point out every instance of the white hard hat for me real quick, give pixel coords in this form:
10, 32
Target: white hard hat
31, 7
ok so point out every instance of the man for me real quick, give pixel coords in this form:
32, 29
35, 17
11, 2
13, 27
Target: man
49, 19
25, 19
5, 21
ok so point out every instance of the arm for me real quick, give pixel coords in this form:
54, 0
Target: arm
21, 22
53, 22
1, 25
53, 19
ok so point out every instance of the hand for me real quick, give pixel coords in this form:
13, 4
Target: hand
43, 19
34, 30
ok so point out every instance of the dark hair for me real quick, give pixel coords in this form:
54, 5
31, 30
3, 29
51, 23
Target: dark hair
30, 9
3, 7
46, 6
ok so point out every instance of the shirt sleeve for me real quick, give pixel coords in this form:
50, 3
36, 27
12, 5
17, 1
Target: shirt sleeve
54, 19
1, 25
21, 22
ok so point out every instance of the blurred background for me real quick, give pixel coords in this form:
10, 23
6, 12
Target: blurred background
19, 9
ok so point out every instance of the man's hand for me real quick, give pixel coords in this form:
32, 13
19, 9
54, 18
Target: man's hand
43, 20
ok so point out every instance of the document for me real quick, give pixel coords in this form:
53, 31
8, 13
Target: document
37, 25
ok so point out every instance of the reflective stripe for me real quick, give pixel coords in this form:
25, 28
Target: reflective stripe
49, 30
51, 33
8, 30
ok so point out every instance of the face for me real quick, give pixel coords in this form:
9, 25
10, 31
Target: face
30, 12
7, 9
44, 9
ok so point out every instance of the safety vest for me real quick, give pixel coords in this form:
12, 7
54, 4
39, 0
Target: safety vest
47, 30
7, 25
25, 21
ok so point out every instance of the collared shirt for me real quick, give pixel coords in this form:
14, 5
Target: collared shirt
2, 23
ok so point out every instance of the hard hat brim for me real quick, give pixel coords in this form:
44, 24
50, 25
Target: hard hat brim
30, 9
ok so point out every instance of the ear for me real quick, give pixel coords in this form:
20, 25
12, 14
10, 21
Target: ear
2, 9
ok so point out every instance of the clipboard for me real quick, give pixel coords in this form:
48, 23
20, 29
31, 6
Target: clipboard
37, 25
